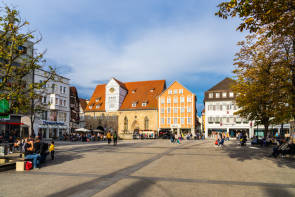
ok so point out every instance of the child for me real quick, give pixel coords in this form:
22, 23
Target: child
51, 150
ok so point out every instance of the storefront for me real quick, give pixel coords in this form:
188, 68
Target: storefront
52, 129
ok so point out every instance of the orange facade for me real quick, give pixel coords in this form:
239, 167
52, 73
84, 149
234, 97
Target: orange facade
177, 108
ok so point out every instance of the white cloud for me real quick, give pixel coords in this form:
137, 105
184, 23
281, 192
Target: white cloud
156, 53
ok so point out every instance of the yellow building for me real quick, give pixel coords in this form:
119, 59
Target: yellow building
127, 108
177, 110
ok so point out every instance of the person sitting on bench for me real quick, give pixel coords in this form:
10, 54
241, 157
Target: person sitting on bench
30, 154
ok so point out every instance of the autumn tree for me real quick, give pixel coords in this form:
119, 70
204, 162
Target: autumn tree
276, 19
18, 62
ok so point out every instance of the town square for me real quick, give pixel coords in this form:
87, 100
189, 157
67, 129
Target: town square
147, 98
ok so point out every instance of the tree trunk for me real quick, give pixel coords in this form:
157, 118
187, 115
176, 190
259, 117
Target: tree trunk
266, 130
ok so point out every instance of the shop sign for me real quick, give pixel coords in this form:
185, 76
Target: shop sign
4, 109
45, 122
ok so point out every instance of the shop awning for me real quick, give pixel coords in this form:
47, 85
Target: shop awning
12, 123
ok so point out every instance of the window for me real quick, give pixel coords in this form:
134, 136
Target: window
64, 89
162, 100
60, 89
181, 120
162, 110
134, 104
189, 109
217, 95
60, 102
175, 121
210, 119
170, 92
97, 106
175, 91
168, 100
146, 123
175, 110
182, 110
227, 119
133, 91
168, 120
189, 120
210, 95
44, 115
56, 101
152, 90
97, 100
224, 94
180, 91
45, 99
90, 106
162, 121
53, 88
214, 107
182, 99
168, 110
125, 124
217, 119
65, 102
144, 104
231, 94
175, 100
189, 99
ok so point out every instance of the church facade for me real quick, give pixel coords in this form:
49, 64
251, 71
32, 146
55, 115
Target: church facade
127, 108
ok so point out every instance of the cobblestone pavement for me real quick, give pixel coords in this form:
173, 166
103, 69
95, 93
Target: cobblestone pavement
155, 168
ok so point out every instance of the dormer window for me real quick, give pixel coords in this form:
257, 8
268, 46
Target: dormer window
90, 106
144, 103
217, 95
98, 106
134, 104
97, 99
210, 95
152, 90
133, 91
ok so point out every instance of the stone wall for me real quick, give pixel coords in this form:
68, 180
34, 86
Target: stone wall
136, 121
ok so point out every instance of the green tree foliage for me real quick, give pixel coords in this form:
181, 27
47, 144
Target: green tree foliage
263, 79
18, 62
275, 19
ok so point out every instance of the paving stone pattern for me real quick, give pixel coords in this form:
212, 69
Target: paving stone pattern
155, 168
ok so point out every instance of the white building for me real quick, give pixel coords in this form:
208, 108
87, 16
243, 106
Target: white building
82, 107
54, 120
220, 107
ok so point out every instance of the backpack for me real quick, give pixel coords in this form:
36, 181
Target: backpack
29, 165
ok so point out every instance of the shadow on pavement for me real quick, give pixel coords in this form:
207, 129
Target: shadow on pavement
234, 150
275, 192
138, 188
60, 158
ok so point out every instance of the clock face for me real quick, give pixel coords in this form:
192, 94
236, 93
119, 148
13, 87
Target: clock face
112, 90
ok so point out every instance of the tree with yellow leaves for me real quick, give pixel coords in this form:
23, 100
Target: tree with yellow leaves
18, 62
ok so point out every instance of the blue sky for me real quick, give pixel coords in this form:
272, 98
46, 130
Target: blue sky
91, 41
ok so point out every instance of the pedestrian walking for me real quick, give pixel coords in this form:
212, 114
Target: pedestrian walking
51, 150
109, 137
115, 138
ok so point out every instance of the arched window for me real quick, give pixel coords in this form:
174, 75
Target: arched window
146, 123
125, 124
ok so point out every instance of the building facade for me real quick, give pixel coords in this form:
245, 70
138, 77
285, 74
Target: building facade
127, 108
177, 110
220, 107
75, 109
82, 107
54, 120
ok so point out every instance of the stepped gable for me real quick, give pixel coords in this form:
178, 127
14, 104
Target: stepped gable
143, 91
99, 92
223, 85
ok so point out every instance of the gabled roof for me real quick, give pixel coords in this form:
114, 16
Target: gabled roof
225, 84
145, 91
83, 103
172, 84
142, 94
122, 85
99, 92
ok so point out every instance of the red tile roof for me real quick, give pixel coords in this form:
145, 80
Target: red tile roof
139, 92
